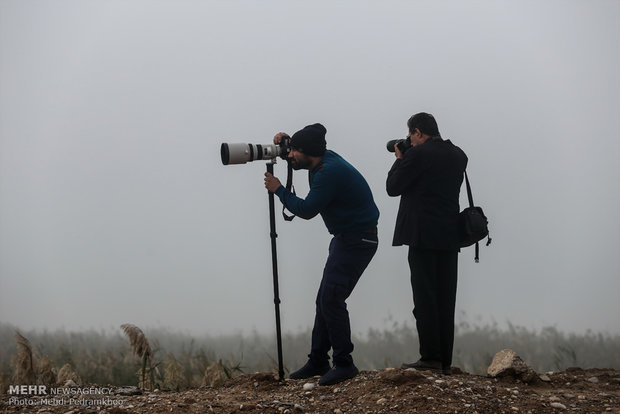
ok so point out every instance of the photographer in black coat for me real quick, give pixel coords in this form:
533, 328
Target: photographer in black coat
428, 178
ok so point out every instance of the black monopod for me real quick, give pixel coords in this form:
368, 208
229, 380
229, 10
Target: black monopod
274, 265
240, 154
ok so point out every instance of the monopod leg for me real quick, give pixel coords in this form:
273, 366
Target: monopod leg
274, 264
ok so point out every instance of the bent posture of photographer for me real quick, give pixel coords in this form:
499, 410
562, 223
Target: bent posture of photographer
340, 194
428, 178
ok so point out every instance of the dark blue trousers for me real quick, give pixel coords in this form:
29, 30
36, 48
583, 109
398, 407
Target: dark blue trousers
349, 255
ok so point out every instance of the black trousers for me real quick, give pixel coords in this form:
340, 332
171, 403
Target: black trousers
433, 281
349, 255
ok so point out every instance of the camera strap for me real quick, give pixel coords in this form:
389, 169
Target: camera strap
290, 187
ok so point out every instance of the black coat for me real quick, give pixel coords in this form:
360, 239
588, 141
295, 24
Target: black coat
428, 178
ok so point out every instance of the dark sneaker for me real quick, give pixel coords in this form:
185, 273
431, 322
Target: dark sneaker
308, 371
339, 374
434, 366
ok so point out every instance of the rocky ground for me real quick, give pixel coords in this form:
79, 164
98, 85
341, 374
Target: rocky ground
381, 391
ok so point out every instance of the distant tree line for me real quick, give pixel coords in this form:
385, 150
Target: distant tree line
179, 360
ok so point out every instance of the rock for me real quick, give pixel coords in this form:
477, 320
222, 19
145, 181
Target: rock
558, 405
129, 390
70, 384
381, 401
545, 378
266, 377
593, 380
309, 386
400, 377
506, 363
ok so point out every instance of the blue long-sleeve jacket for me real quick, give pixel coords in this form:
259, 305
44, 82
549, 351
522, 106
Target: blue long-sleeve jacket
339, 193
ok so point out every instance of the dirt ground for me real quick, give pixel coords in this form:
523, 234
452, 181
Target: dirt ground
380, 391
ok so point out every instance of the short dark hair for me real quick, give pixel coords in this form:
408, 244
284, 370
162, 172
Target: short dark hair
425, 123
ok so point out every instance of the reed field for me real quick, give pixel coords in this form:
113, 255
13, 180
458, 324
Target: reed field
165, 359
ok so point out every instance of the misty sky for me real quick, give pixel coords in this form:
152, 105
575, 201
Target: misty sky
115, 207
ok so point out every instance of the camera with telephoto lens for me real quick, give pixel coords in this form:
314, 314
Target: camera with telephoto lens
241, 153
403, 145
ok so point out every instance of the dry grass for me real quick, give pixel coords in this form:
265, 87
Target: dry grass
215, 375
139, 344
67, 373
174, 379
4, 383
141, 348
25, 363
47, 372
218, 372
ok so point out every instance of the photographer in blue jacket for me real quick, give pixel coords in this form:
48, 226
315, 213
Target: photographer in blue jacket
341, 195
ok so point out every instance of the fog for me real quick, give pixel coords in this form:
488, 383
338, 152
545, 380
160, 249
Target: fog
115, 206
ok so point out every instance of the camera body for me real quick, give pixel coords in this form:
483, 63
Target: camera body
241, 153
403, 145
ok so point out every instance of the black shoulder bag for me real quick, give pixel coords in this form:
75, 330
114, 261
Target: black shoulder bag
473, 224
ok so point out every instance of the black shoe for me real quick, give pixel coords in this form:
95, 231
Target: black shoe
339, 374
434, 366
308, 371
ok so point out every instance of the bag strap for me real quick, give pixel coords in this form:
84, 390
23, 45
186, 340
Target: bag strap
470, 197
489, 239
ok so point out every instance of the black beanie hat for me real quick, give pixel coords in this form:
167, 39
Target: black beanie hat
310, 140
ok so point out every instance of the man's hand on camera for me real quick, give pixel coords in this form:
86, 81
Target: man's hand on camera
271, 183
278, 137
397, 152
